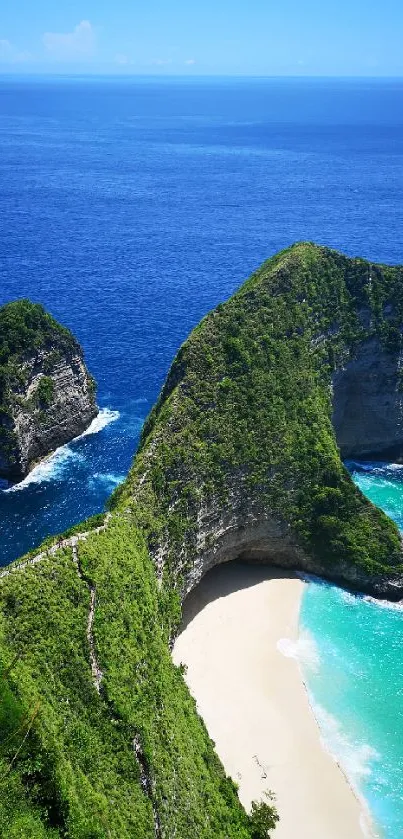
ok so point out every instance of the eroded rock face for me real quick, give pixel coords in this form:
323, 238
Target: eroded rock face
368, 403
40, 430
242, 455
48, 397
247, 532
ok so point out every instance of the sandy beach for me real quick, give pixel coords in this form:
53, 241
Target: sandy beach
254, 703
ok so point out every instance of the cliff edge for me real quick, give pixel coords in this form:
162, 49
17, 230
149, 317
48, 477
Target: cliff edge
242, 455
47, 396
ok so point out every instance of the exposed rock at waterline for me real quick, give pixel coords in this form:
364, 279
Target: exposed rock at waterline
368, 403
47, 396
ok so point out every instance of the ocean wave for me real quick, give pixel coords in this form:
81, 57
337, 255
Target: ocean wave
109, 479
375, 469
368, 466
303, 649
54, 466
350, 597
50, 468
104, 418
353, 599
390, 605
355, 759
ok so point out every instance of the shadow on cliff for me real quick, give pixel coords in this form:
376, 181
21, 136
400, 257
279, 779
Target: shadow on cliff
218, 582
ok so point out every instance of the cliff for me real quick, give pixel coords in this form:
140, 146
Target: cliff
240, 457
47, 396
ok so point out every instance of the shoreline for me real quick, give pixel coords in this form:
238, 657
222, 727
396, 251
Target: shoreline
237, 626
367, 826
41, 469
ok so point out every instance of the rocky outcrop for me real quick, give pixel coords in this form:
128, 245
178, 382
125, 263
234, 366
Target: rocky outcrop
368, 403
48, 396
252, 535
242, 455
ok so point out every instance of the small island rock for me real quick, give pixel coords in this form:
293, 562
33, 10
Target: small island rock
47, 396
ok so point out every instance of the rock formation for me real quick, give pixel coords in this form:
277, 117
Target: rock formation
241, 457
47, 396
368, 403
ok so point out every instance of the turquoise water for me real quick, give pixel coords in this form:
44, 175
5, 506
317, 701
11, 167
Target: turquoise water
351, 650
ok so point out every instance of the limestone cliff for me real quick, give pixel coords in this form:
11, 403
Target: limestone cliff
368, 403
47, 396
242, 455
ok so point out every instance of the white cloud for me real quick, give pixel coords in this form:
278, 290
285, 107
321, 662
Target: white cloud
10, 55
190, 61
80, 43
162, 62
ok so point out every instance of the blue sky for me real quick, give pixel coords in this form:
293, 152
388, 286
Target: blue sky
259, 37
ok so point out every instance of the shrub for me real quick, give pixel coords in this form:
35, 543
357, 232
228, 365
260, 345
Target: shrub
263, 818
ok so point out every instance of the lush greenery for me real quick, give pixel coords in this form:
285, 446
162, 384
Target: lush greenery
246, 406
26, 326
44, 393
68, 765
263, 818
247, 403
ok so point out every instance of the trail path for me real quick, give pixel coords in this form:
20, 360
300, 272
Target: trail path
97, 675
71, 542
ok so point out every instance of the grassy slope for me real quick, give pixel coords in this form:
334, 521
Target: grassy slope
67, 762
246, 395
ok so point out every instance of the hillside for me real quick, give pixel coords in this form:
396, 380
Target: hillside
99, 736
240, 456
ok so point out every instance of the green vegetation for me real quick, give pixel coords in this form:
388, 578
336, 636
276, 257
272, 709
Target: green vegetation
68, 764
246, 409
263, 818
26, 328
43, 395
247, 404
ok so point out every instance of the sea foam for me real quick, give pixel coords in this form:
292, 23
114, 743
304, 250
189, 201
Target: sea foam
104, 418
355, 759
50, 468
109, 479
355, 599
54, 466
303, 649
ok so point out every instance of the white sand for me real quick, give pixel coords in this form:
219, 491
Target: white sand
254, 703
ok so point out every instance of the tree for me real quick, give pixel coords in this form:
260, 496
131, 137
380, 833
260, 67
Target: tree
263, 817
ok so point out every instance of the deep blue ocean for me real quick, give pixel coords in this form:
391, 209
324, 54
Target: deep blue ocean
129, 208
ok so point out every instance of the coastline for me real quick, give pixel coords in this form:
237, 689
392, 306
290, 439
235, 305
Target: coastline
239, 627
44, 467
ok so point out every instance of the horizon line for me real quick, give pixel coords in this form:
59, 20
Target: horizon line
193, 76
